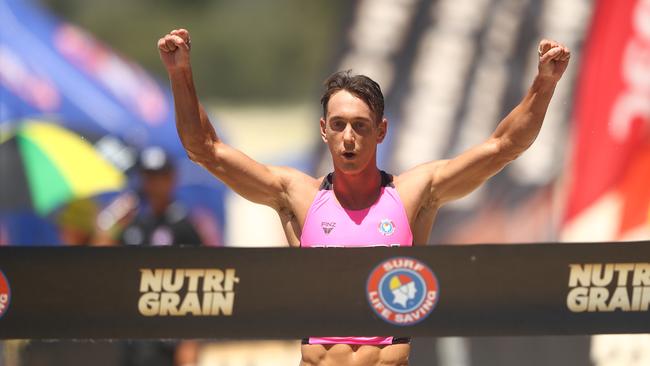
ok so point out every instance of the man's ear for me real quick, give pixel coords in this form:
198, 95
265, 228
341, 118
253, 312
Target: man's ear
322, 130
383, 130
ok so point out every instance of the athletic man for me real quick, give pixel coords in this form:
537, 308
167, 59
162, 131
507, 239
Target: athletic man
350, 206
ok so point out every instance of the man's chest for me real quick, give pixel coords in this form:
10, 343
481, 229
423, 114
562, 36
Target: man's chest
361, 228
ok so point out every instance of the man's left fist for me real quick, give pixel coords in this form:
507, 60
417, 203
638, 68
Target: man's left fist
553, 59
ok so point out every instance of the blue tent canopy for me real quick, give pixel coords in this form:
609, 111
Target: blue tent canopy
50, 69
53, 68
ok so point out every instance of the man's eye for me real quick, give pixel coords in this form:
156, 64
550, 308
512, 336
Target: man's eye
360, 126
338, 125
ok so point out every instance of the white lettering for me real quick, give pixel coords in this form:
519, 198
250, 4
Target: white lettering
602, 276
635, 73
641, 275
149, 304
212, 280
636, 298
181, 292
623, 269
169, 303
431, 295
151, 280
4, 299
207, 303
580, 275
597, 299
230, 280
222, 303
190, 305
577, 300
193, 277
173, 280
645, 299
402, 263
620, 300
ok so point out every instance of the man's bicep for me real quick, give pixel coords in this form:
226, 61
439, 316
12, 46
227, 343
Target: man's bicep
457, 177
249, 178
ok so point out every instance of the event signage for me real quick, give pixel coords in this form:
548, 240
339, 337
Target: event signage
402, 291
288, 293
189, 291
5, 294
606, 287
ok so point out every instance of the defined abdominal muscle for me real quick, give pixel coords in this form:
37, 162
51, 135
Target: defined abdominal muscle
354, 355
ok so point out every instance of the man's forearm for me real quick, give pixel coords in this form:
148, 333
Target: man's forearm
518, 130
194, 128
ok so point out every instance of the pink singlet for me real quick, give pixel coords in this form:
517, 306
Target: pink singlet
329, 225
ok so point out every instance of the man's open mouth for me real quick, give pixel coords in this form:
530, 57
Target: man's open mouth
349, 155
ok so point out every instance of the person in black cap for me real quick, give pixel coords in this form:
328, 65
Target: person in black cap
160, 220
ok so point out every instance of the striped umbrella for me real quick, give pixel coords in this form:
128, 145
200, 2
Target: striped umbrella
43, 165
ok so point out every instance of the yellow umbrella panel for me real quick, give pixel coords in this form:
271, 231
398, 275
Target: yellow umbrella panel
58, 165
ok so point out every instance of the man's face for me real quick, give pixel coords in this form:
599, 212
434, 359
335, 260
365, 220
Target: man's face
351, 132
158, 185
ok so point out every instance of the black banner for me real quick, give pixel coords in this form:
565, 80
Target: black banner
478, 290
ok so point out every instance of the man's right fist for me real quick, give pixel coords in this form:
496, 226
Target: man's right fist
174, 49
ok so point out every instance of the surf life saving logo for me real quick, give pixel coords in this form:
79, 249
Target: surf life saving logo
386, 227
402, 291
5, 294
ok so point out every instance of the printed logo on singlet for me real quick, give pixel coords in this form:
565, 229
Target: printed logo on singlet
402, 291
327, 227
386, 227
5, 294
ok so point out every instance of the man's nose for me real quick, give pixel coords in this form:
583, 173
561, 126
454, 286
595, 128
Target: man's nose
348, 135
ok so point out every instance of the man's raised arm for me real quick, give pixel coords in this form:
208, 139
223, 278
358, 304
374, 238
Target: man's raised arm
459, 176
252, 180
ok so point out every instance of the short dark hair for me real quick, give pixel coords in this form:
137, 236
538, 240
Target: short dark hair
361, 86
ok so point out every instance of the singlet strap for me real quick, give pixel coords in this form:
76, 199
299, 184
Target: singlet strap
386, 181
401, 340
396, 340
326, 184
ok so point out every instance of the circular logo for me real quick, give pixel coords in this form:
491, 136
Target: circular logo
5, 294
386, 227
402, 290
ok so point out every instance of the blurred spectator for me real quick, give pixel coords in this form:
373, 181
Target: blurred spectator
76, 222
160, 220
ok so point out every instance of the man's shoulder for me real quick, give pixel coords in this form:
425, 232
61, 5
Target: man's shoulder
417, 185
295, 178
299, 190
419, 174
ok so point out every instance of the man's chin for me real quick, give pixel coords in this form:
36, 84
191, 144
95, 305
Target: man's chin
349, 168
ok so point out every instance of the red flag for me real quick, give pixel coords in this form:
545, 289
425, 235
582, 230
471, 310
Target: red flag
611, 160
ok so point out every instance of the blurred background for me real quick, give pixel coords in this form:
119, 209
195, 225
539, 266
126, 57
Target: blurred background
89, 153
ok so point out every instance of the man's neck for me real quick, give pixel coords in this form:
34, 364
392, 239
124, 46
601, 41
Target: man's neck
159, 206
357, 191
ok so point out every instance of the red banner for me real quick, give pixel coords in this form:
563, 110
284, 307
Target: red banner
611, 157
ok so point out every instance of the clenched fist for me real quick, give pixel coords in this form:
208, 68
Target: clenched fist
553, 59
174, 49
